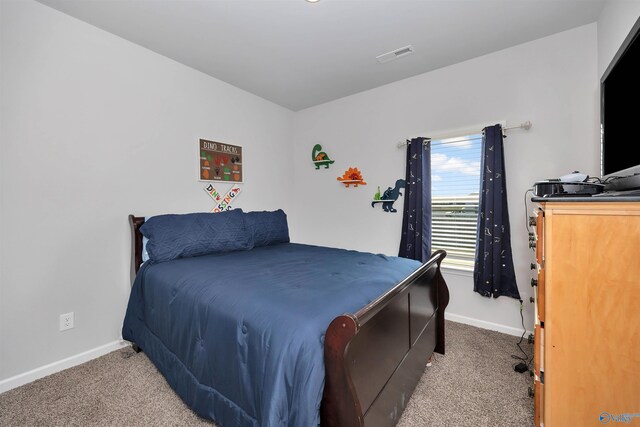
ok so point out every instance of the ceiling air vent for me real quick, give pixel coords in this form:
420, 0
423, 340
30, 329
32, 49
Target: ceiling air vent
395, 54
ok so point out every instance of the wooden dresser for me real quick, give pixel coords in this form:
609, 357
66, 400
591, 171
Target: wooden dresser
587, 317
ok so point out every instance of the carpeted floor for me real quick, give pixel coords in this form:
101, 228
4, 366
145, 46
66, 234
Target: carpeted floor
472, 385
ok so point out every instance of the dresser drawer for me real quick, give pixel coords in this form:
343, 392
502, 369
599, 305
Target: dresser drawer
539, 234
536, 351
538, 397
538, 373
540, 299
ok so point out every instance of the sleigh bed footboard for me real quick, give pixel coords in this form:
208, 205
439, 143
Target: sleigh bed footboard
375, 357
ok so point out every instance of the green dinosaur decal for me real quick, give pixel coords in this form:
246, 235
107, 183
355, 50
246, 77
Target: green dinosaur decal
377, 195
320, 158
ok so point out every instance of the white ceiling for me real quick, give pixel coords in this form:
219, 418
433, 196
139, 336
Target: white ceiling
299, 54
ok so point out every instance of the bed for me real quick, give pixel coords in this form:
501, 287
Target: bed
286, 334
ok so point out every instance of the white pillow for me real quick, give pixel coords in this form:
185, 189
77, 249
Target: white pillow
145, 254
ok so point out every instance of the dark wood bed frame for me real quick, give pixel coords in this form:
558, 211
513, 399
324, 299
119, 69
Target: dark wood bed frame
375, 357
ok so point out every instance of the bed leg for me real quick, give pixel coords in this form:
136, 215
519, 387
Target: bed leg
135, 348
443, 301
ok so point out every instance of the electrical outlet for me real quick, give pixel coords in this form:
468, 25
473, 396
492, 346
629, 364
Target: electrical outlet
66, 321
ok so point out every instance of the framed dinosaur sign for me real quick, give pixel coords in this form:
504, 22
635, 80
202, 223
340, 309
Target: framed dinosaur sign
220, 161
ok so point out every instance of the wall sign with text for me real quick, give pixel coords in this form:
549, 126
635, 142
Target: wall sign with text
222, 203
220, 161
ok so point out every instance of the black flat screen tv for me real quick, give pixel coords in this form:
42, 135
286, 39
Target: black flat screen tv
620, 116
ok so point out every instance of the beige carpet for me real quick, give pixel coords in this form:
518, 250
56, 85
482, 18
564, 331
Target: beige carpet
472, 385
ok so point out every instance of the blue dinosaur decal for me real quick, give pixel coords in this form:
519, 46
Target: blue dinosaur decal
390, 196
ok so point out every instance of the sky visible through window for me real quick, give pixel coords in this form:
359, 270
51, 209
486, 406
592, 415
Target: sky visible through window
455, 166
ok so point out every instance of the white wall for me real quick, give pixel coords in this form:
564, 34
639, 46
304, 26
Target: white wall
552, 82
615, 22
95, 128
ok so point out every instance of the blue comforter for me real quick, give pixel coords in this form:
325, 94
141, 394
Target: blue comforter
239, 335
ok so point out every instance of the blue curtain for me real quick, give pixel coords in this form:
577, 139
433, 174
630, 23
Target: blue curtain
493, 273
415, 242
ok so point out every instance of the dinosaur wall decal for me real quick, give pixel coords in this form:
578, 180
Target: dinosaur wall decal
390, 196
320, 158
352, 176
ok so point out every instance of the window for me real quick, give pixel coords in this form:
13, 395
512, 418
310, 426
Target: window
455, 184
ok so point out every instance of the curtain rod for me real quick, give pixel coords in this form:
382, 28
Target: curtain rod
526, 126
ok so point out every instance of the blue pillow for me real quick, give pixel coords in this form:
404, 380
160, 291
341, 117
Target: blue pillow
269, 228
187, 235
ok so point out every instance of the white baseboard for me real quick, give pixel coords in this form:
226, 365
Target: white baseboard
52, 368
60, 365
485, 325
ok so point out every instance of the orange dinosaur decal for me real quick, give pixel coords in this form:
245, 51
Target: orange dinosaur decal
352, 176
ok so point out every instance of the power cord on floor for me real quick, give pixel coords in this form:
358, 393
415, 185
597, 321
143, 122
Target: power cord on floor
432, 359
525, 362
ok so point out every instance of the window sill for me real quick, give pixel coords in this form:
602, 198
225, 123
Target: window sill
459, 270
